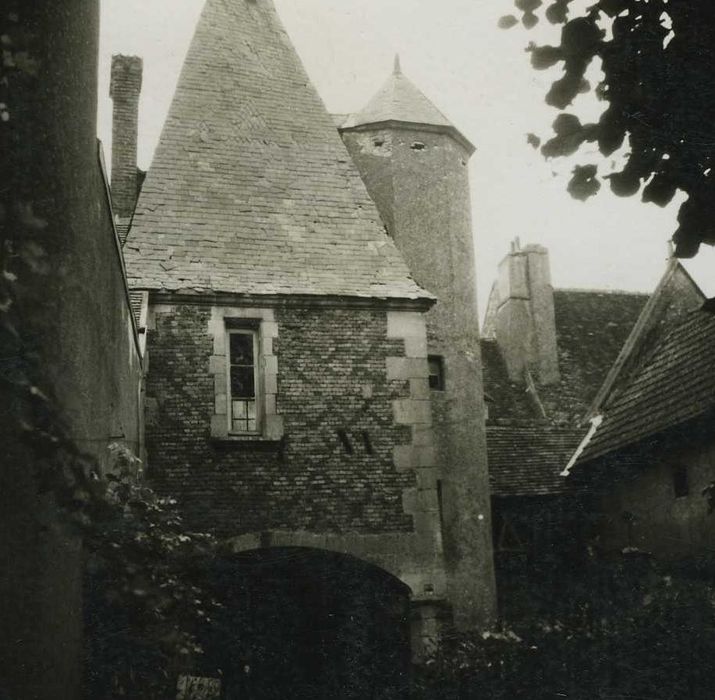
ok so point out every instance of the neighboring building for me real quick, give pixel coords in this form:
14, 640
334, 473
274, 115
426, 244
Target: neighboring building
546, 353
637, 367
307, 400
66, 334
650, 452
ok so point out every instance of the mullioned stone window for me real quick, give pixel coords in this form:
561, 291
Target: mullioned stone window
245, 372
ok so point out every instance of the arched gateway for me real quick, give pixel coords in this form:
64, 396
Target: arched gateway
307, 623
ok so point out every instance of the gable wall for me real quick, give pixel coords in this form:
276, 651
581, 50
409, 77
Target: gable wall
352, 369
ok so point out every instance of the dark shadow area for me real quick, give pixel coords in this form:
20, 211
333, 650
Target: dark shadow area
304, 623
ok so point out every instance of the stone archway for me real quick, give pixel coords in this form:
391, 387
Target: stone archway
309, 623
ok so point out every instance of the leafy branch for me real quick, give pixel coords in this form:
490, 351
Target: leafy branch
656, 57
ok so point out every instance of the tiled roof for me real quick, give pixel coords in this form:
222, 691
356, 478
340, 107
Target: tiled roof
526, 458
506, 399
251, 190
136, 299
122, 224
591, 327
527, 453
674, 384
675, 297
400, 100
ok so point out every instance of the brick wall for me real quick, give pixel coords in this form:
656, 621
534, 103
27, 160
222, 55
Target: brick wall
125, 87
332, 375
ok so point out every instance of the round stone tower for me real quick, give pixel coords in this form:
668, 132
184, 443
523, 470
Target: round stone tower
414, 163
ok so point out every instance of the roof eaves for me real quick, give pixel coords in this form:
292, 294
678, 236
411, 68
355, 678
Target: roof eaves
413, 126
118, 246
595, 423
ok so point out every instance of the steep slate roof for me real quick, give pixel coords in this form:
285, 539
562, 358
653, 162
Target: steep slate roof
251, 190
674, 384
676, 295
527, 453
506, 399
591, 328
400, 100
525, 459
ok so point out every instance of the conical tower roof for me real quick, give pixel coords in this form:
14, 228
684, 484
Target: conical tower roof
251, 190
400, 101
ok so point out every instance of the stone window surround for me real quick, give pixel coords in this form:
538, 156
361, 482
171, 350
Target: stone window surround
263, 320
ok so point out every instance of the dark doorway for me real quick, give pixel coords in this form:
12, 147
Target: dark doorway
304, 623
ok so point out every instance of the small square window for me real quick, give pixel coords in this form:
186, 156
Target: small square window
681, 487
435, 365
243, 381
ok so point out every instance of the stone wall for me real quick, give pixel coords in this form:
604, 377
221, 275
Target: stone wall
642, 509
75, 338
418, 177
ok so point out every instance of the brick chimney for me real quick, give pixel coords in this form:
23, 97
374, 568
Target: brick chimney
525, 325
125, 86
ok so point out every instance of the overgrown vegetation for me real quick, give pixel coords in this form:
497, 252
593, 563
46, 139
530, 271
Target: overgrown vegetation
145, 599
633, 629
657, 58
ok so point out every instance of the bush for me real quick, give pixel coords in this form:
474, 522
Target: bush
631, 630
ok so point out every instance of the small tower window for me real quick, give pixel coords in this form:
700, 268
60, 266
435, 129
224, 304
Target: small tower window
435, 365
681, 487
418, 146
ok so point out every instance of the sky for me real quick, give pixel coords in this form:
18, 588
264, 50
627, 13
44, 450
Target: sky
475, 73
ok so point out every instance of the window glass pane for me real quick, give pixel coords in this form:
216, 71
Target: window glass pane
242, 382
241, 348
243, 417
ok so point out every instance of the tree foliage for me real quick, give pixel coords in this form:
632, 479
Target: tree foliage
146, 599
657, 58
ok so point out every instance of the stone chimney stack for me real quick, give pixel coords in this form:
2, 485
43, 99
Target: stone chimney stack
525, 324
125, 86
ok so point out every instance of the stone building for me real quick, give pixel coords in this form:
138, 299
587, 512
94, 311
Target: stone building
648, 459
634, 368
414, 164
546, 352
313, 393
